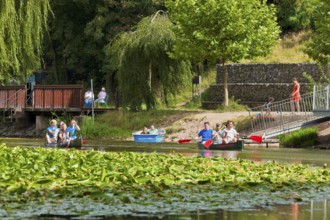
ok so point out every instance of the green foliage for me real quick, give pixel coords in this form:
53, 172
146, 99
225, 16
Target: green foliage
310, 80
194, 103
81, 30
226, 30
145, 71
22, 27
31, 173
223, 31
319, 47
121, 124
294, 15
290, 49
233, 106
323, 79
301, 138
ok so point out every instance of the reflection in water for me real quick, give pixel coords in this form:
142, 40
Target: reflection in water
218, 153
315, 210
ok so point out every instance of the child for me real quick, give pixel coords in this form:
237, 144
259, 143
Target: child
267, 106
230, 135
51, 130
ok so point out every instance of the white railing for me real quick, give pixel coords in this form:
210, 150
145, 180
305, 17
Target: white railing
321, 98
285, 115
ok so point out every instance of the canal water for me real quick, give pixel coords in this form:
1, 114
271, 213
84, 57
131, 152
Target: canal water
252, 205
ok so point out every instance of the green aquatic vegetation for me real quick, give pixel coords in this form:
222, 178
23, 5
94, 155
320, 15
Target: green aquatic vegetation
30, 173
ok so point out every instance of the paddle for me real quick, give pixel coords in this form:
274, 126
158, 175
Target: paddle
256, 138
181, 141
208, 143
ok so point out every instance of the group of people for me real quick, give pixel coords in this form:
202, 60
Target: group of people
295, 99
152, 130
221, 135
89, 98
62, 134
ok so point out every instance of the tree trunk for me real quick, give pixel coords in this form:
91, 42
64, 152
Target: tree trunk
55, 62
149, 96
150, 76
225, 84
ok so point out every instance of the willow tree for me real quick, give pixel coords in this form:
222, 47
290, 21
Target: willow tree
225, 31
145, 71
22, 26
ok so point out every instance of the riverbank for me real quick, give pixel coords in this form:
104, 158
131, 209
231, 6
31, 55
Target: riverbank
178, 125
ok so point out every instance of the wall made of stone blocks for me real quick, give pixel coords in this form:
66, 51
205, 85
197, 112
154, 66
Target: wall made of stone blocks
252, 84
268, 73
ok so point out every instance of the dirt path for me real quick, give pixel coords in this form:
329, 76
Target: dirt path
190, 124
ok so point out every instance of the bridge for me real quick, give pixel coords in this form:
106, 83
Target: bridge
284, 116
25, 105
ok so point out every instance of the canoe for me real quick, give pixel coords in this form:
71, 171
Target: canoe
237, 146
76, 143
149, 138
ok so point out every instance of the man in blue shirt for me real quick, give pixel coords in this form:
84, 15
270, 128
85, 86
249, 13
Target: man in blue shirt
206, 133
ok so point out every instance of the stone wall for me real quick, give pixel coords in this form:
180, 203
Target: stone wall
268, 73
252, 84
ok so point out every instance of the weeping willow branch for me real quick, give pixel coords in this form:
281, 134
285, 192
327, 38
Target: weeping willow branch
145, 71
22, 25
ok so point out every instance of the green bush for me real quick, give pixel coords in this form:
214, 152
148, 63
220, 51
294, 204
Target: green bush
301, 138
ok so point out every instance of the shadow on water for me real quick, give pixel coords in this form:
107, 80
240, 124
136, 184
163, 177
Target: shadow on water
315, 207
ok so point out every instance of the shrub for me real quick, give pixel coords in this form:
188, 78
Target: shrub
301, 138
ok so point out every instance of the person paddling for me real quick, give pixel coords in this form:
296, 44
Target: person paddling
206, 133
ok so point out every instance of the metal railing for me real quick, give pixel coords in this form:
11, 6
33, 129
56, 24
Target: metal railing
286, 116
321, 98
12, 104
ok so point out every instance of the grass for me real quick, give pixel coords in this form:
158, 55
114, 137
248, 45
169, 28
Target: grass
233, 106
121, 123
301, 138
288, 50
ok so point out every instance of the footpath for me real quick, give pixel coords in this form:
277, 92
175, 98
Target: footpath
189, 125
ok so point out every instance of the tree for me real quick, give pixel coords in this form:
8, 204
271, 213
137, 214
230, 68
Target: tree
319, 47
22, 27
144, 69
226, 30
80, 31
294, 15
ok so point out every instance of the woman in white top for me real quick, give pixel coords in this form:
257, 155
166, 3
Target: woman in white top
230, 135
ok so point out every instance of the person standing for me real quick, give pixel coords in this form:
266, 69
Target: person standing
295, 95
